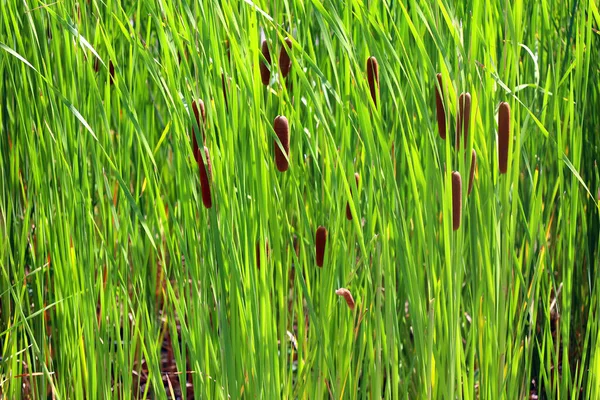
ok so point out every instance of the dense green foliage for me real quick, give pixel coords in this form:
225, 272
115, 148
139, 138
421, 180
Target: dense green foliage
116, 281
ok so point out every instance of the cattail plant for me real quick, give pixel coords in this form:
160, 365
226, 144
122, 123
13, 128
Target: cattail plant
462, 119
199, 111
320, 242
348, 211
265, 73
285, 63
345, 293
282, 130
472, 172
205, 178
503, 136
456, 200
439, 105
373, 77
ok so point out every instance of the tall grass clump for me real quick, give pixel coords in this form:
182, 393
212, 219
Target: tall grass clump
260, 268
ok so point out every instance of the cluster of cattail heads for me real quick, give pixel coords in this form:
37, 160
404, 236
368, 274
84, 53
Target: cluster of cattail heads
265, 72
285, 63
503, 136
462, 120
439, 105
282, 130
456, 200
348, 211
373, 78
320, 242
345, 293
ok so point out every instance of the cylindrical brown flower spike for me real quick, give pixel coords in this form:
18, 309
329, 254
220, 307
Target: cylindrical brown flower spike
282, 130
463, 118
285, 63
345, 293
439, 105
320, 242
456, 200
205, 178
472, 172
265, 73
348, 211
198, 109
503, 136
373, 77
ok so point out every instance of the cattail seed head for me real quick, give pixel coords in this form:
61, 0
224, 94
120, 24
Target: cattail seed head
472, 172
439, 105
265, 73
199, 111
345, 293
463, 119
373, 77
503, 136
456, 200
205, 178
282, 130
348, 211
285, 63
320, 241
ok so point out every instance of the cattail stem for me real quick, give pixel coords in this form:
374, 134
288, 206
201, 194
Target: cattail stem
472, 172
463, 119
265, 73
503, 136
205, 178
320, 242
456, 200
285, 63
345, 293
439, 105
348, 211
373, 78
282, 130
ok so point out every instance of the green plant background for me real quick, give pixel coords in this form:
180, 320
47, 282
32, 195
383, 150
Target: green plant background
116, 282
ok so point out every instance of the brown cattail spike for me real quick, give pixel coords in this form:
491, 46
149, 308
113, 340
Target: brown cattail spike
472, 172
265, 73
282, 130
320, 242
503, 136
373, 78
456, 200
348, 211
439, 105
199, 111
205, 178
463, 119
285, 63
345, 293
